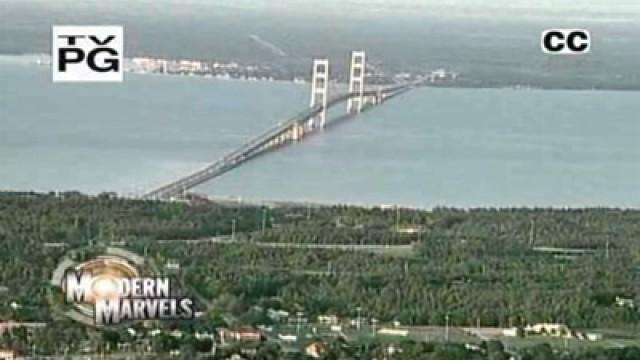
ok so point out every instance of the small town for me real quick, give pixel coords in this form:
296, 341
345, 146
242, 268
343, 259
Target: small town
295, 281
265, 72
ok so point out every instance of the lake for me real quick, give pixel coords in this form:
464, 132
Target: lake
429, 147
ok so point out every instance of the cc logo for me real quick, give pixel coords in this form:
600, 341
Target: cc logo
566, 41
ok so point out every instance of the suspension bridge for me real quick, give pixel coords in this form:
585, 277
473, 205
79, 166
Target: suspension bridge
295, 129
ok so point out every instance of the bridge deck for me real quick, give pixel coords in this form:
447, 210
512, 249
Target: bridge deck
260, 144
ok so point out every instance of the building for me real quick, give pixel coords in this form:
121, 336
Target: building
411, 229
243, 334
560, 330
336, 328
625, 302
287, 337
393, 332
328, 319
511, 332
7, 355
551, 329
594, 336
316, 349
277, 315
172, 265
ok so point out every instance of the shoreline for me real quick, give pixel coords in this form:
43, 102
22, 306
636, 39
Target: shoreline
37, 58
240, 202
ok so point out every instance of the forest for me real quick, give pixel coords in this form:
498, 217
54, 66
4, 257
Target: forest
487, 267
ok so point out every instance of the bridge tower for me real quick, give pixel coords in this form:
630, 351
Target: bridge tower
356, 81
319, 91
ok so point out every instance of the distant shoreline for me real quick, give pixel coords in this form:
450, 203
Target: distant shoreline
463, 83
45, 60
238, 201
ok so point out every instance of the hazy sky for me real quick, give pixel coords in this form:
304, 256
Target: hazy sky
556, 5
623, 9
628, 10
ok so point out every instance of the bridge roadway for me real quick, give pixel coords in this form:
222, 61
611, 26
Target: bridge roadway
264, 142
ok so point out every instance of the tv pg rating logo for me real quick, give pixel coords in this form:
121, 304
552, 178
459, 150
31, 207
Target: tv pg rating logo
87, 53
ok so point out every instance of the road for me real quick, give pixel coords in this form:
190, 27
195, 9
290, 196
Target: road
227, 239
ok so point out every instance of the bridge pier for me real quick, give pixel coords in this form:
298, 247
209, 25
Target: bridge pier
319, 91
379, 98
297, 132
356, 81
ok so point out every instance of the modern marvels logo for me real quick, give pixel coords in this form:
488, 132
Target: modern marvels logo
110, 289
87, 53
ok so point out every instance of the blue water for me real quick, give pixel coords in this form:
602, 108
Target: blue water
429, 147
